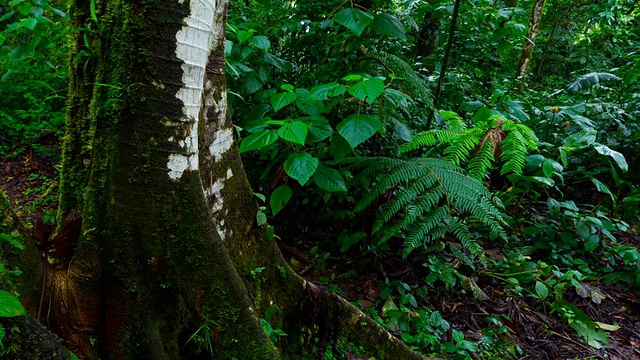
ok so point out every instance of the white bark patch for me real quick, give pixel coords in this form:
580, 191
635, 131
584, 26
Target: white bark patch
177, 164
193, 46
221, 144
215, 192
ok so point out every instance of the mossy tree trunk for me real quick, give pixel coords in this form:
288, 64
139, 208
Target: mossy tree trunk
150, 268
169, 235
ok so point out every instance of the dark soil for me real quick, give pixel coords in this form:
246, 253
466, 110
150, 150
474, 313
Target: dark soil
30, 179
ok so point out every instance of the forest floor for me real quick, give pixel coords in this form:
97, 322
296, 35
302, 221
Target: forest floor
31, 179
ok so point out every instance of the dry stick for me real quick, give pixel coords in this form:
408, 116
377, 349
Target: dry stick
445, 60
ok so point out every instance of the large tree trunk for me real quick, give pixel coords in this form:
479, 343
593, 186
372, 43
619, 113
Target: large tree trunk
150, 268
530, 40
170, 238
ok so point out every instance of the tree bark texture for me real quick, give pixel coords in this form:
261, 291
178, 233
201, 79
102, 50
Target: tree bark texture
530, 40
150, 268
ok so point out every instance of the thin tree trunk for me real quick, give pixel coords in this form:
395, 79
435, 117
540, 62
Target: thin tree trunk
529, 42
445, 62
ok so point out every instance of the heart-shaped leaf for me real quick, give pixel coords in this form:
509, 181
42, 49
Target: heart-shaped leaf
357, 128
258, 140
301, 166
355, 20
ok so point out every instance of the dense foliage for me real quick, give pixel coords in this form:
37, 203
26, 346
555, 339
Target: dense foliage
334, 107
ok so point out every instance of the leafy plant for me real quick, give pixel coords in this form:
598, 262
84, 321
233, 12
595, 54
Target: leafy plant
10, 306
204, 336
492, 138
430, 198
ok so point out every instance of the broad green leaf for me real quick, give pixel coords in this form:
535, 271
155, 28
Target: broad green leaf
603, 188
263, 72
295, 132
258, 140
616, 156
261, 42
504, 48
261, 218
319, 128
236, 68
9, 305
400, 130
519, 29
280, 64
355, 20
580, 139
287, 87
251, 83
339, 147
245, 52
6, 16
550, 167
244, 35
325, 91
352, 77
389, 25
467, 106
257, 125
368, 89
228, 47
329, 179
541, 290
301, 166
310, 106
29, 23
607, 327
280, 100
357, 128
481, 115
533, 179
279, 198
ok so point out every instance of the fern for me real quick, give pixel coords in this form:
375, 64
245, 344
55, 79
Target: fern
479, 148
412, 82
431, 197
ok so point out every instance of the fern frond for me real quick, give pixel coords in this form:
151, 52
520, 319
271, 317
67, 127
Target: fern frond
427, 138
412, 82
462, 256
463, 145
479, 165
515, 152
430, 138
431, 197
530, 137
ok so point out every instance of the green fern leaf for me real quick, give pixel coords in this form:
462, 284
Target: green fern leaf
430, 198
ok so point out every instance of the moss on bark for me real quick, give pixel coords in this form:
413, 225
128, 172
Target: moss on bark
150, 268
